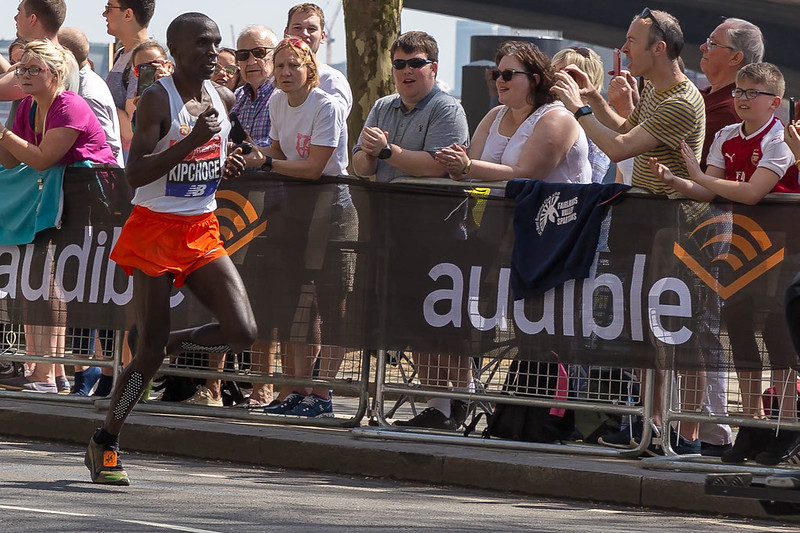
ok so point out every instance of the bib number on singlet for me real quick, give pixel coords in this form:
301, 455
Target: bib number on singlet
198, 174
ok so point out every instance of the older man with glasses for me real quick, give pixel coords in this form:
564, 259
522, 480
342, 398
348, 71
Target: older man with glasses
732, 45
254, 56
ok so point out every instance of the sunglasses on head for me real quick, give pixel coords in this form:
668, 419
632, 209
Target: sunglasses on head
414, 62
259, 52
508, 73
581, 50
229, 70
156, 63
647, 14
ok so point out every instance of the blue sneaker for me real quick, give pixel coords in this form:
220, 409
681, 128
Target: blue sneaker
313, 406
288, 403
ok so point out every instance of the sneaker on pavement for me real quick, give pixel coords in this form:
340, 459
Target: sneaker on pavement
283, 407
431, 418
793, 453
684, 446
313, 406
24, 384
459, 410
62, 384
104, 464
713, 450
203, 396
749, 443
778, 448
628, 437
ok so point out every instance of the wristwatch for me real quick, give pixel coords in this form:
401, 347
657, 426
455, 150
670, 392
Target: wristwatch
385, 153
267, 166
582, 111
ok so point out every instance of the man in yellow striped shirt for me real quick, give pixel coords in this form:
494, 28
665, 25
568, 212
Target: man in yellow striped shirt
670, 110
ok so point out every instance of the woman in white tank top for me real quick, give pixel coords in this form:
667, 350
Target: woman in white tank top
530, 135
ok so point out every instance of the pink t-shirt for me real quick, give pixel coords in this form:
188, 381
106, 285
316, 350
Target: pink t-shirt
69, 110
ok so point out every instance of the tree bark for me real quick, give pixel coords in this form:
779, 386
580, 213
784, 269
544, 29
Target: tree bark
371, 26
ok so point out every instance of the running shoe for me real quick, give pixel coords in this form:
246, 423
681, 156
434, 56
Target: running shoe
24, 384
203, 396
431, 418
104, 464
288, 403
313, 406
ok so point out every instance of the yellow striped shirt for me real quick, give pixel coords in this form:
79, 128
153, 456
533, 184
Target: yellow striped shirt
671, 116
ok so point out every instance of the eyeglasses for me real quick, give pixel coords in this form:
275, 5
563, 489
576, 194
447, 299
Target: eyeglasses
109, 7
647, 14
157, 63
711, 44
414, 62
749, 94
229, 70
32, 71
581, 50
259, 52
508, 73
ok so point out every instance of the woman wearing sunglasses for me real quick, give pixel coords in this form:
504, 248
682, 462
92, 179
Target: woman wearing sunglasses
52, 127
530, 135
309, 139
153, 55
227, 71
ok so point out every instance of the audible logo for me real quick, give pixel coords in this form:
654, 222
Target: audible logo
748, 251
239, 222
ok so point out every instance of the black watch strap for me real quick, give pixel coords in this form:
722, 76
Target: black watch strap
583, 111
267, 166
385, 153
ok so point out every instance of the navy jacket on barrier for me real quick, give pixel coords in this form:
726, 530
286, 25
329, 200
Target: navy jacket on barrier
556, 228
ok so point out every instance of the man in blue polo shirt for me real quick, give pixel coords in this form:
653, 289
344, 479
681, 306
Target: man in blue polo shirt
404, 130
402, 133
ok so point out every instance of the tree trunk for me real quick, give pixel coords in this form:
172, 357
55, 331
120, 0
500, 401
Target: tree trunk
371, 26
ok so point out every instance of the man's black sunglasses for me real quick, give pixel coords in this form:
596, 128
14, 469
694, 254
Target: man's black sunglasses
647, 14
259, 52
414, 62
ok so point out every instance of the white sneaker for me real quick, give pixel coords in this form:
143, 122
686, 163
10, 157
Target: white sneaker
203, 396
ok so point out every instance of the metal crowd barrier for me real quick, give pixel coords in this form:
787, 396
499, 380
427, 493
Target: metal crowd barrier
397, 388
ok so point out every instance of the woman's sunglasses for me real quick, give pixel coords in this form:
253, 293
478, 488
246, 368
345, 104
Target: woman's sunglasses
156, 63
508, 73
229, 70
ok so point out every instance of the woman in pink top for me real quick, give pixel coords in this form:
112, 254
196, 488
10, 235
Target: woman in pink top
52, 126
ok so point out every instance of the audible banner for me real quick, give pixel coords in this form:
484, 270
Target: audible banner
672, 283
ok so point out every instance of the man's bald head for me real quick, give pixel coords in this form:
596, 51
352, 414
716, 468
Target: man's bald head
184, 25
76, 42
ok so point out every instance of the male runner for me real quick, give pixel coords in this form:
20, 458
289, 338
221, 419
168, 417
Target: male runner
178, 155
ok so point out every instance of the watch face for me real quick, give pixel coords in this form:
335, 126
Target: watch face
385, 153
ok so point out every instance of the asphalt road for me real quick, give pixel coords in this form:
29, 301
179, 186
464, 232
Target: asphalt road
45, 487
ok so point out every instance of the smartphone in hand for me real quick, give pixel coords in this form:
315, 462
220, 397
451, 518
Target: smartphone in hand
237, 134
617, 62
147, 76
791, 109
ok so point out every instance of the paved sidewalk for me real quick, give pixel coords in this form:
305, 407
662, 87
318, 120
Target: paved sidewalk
618, 481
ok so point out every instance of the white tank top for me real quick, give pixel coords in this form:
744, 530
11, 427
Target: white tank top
575, 168
188, 189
